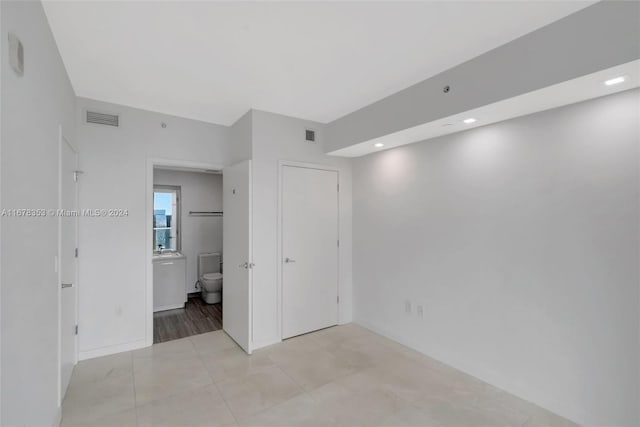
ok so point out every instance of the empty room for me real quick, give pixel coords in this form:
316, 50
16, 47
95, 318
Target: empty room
319, 213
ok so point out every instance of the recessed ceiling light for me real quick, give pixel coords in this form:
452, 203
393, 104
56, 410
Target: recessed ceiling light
469, 120
615, 81
378, 145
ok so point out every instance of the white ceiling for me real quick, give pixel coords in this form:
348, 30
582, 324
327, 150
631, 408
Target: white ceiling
213, 61
571, 91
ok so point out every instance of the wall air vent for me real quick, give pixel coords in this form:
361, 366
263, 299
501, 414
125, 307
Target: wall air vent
310, 135
103, 119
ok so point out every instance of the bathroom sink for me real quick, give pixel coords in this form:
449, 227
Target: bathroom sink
166, 255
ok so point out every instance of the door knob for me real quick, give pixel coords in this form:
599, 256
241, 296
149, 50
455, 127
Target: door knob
67, 285
244, 265
289, 260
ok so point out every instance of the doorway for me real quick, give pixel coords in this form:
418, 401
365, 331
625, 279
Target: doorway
237, 246
185, 218
309, 248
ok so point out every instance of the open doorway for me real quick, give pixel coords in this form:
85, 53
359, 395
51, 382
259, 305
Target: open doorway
186, 228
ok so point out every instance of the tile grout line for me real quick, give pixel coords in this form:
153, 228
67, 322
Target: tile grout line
287, 367
276, 404
135, 393
227, 404
170, 395
304, 391
276, 364
322, 347
215, 384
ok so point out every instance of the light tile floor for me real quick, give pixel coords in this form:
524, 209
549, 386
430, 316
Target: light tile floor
341, 376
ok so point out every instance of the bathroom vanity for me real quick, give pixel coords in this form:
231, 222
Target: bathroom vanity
169, 281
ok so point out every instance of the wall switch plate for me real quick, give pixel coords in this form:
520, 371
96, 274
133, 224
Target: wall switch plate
420, 311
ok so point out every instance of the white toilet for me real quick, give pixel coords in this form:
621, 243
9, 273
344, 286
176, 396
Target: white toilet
210, 277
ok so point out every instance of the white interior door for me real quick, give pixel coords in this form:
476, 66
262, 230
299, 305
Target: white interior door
237, 253
68, 271
309, 250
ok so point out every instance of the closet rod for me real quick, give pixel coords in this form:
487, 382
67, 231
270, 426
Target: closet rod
205, 213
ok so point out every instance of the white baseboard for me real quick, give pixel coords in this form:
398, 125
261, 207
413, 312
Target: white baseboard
112, 349
168, 307
457, 362
263, 344
344, 320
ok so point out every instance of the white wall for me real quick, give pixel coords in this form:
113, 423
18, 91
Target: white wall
276, 137
33, 107
113, 251
240, 147
520, 239
113, 269
199, 192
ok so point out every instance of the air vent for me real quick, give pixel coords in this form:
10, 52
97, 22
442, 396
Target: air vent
310, 135
102, 119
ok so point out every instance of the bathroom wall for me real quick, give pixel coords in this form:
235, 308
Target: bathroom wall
521, 242
199, 192
113, 265
34, 106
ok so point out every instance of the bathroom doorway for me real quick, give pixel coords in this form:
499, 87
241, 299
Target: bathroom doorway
186, 228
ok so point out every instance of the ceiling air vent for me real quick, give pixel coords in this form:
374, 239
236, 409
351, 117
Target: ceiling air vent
310, 135
102, 119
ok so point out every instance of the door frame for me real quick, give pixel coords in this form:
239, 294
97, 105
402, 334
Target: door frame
279, 229
62, 139
151, 163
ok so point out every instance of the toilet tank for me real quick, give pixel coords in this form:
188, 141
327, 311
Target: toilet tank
208, 262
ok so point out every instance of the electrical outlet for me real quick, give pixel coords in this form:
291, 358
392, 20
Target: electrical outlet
420, 311
407, 307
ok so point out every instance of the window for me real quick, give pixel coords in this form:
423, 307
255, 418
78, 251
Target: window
166, 218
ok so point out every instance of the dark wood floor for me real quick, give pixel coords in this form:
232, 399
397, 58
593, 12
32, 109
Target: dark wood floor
197, 317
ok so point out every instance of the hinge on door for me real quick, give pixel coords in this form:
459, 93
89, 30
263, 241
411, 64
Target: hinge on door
338, 242
338, 187
338, 299
76, 252
76, 329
